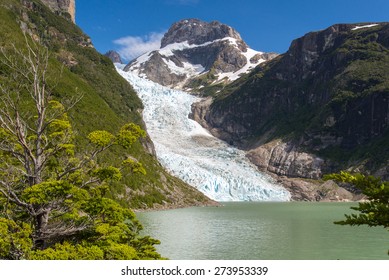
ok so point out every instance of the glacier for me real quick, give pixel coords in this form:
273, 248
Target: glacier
191, 153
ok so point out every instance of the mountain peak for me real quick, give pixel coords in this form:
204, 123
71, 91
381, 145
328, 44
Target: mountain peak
114, 56
198, 32
195, 54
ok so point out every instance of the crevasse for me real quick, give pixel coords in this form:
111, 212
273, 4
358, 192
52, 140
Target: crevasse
189, 152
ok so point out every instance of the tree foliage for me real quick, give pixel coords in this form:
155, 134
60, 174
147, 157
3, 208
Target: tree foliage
375, 211
53, 202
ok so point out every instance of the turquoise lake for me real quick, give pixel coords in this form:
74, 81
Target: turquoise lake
264, 230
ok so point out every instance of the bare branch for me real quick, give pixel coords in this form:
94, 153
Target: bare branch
10, 195
61, 230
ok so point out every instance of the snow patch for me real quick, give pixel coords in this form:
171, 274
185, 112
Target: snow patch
187, 69
232, 76
365, 26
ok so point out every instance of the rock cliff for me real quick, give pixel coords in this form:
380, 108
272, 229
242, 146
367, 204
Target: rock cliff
62, 6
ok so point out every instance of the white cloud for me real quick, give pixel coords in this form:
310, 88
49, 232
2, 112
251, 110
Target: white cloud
134, 46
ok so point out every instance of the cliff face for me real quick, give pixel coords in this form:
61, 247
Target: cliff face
62, 6
326, 97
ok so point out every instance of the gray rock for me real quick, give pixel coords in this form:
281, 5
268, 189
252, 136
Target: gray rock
62, 6
285, 159
114, 56
198, 32
308, 190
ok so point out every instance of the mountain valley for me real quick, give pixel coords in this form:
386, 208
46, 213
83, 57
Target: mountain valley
321, 107
296, 113
234, 144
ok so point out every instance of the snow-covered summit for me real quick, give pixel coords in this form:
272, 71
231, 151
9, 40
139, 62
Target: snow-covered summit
194, 53
197, 32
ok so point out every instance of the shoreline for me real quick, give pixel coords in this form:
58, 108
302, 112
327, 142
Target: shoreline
220, 204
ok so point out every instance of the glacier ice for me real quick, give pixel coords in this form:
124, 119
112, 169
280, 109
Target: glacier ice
189, 152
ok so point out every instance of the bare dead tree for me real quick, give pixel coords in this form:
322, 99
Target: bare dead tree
28, 114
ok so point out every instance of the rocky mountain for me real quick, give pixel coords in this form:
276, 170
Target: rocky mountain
114, 56
62, 7
196, 54
320, 107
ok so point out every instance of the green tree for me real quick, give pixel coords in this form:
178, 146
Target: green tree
53, 202
375, 211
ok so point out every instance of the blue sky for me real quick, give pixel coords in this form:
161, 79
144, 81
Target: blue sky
135, 26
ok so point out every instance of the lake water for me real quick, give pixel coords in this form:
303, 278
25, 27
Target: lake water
264, 230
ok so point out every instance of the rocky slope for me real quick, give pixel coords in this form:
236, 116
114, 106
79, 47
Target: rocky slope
195, 54
108, 101
320, 107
